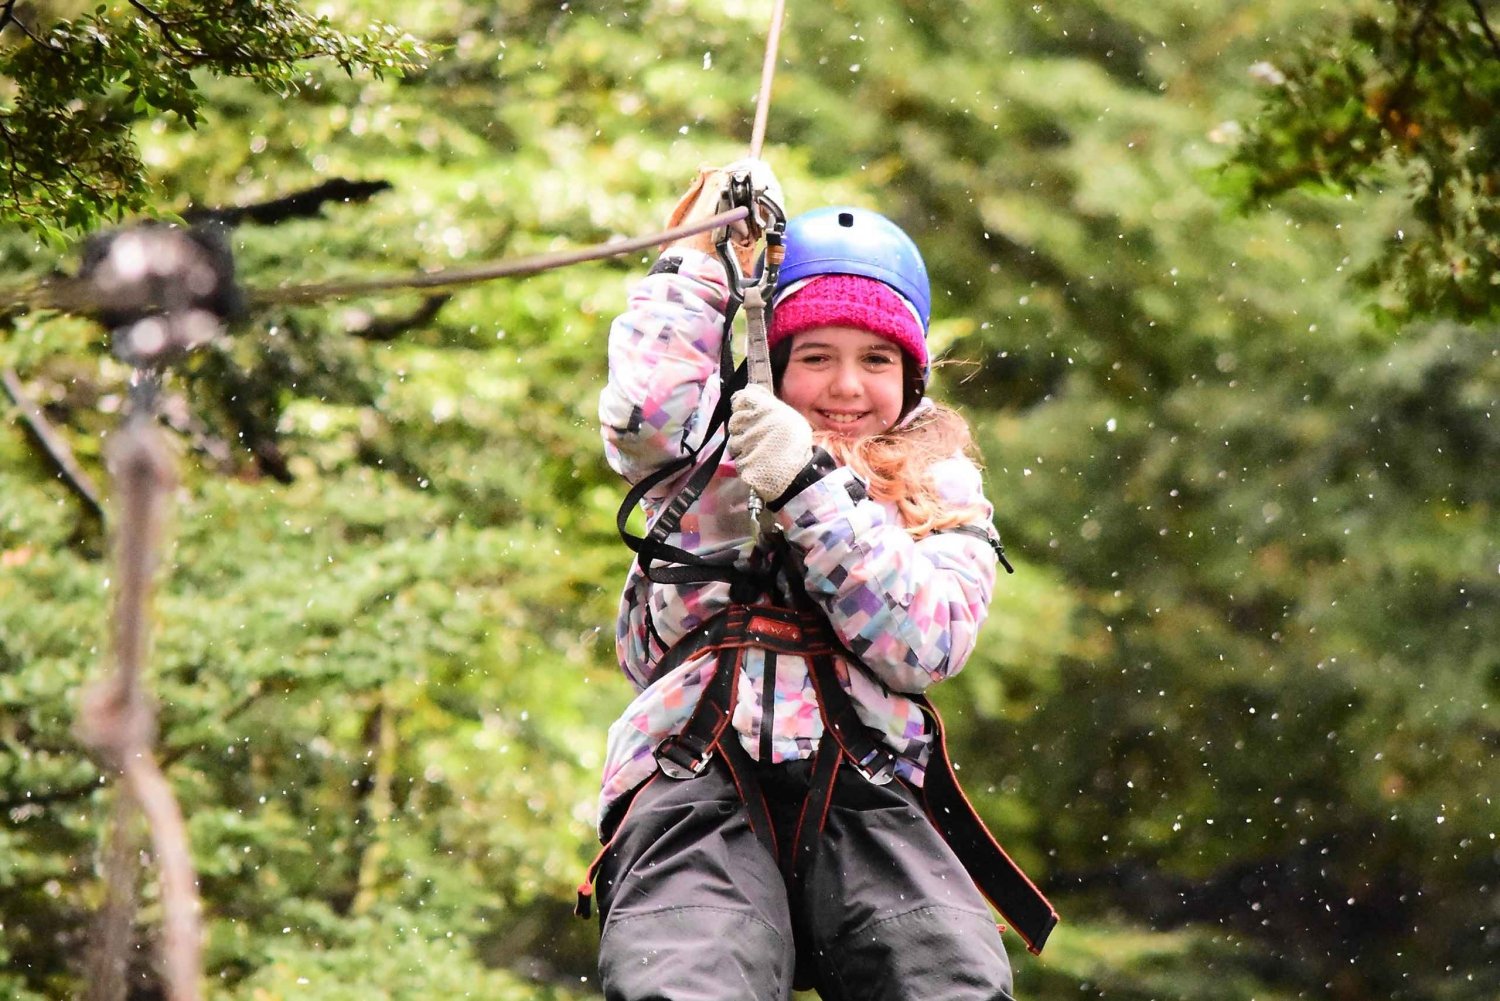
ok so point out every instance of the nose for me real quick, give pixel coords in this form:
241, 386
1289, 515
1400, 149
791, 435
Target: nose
846, 380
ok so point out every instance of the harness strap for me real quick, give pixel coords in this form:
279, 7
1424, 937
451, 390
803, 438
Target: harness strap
652, 547
996, 875
814, 816
850, 738
741, 769
840, 719
804, 631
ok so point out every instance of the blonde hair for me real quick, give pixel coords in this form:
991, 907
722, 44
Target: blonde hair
897, 467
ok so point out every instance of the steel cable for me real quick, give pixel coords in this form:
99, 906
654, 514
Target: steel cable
72, 295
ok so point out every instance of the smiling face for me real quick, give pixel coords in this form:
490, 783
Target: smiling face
846, 381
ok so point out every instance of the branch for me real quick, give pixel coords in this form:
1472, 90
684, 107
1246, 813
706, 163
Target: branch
297, 205
9, 17
52, 445
1484, 25
166, 30
388, 328
1414, 60
380, 738
12, 167
61, 794
269, 458
170, 756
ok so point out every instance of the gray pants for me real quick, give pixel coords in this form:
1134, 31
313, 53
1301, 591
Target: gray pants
694, 908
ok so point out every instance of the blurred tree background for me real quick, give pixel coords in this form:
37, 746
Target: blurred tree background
1215, 281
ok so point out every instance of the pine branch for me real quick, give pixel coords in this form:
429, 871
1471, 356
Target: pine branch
1484, 25
297, 205
170, 755
388, 328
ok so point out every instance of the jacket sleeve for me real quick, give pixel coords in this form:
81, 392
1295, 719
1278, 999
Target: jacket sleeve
664, 365
911, 609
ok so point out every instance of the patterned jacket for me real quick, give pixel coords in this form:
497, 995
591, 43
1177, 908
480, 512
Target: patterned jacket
910, 609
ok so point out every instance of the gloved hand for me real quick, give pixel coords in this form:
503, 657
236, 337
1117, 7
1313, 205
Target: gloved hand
769, 441
702, 201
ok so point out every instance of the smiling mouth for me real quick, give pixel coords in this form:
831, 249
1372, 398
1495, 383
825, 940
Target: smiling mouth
841, 418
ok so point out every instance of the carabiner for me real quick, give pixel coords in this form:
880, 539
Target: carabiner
771, 219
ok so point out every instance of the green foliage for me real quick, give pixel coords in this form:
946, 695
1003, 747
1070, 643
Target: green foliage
1235, 710
1396, 94
73, 90
397, 958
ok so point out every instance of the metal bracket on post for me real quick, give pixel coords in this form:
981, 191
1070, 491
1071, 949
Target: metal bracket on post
163, 291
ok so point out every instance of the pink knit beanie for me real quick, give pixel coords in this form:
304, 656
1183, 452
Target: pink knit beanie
849, 301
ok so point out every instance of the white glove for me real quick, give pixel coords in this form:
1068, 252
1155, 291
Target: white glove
770, 442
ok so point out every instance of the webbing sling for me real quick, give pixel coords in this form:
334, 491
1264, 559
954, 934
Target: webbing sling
996, 874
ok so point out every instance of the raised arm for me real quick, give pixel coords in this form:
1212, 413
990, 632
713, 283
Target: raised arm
664, 363
664, 350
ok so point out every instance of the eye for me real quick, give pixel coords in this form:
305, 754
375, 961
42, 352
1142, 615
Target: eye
880, 358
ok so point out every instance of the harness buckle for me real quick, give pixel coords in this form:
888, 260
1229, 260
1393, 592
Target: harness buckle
879, 766
677, 761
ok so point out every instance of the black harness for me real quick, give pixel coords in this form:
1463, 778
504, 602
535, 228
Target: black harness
758, 617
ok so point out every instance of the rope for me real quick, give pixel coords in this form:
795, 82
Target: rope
117, 717
767, 72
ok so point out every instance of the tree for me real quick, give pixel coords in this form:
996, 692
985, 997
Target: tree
73, 89
1402, 96
1233, 710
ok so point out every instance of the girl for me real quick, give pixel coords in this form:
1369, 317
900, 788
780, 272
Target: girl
738, 859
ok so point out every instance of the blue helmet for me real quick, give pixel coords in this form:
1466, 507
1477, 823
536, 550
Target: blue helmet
841, 240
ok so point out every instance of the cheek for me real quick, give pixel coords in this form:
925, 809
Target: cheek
889, 394
798, 390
